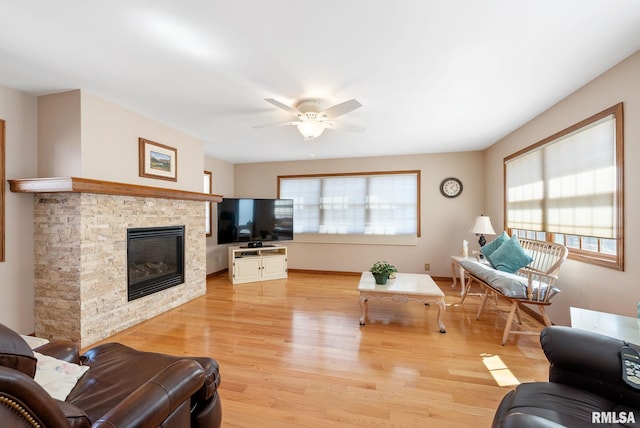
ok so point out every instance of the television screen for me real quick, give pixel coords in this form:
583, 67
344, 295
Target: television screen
252, 220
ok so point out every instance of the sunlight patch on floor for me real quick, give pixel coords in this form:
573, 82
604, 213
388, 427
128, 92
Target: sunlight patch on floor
411, 371
499, 370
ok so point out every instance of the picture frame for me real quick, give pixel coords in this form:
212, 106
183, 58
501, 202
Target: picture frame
157, 160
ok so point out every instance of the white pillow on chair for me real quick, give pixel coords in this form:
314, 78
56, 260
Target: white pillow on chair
57, 377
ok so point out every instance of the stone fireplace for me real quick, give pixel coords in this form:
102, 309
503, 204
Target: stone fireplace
81, 272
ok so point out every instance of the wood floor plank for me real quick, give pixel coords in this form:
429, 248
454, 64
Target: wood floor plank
292, 354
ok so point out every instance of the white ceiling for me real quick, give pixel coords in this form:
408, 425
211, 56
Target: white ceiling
433, 76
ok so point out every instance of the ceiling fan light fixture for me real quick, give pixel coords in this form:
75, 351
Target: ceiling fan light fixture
310, 129
313, 120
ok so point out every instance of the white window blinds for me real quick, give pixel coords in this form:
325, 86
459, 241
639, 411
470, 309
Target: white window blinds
567, 185
376, 204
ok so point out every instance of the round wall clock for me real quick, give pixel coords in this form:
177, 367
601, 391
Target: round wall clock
451, 187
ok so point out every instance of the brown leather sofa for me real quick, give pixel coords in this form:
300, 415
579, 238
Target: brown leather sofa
122, 388
585, 387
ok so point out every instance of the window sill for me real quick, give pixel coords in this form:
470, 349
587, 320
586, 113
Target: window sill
408, 240
596, 259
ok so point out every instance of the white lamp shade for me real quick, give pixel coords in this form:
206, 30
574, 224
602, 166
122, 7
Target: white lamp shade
482, 226
310, 129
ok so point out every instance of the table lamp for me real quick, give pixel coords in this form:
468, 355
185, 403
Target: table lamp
482, 226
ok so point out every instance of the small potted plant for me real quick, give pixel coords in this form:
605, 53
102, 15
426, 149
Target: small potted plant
382, 270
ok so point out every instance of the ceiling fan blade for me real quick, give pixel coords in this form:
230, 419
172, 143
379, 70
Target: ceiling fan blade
277, 124
340, 109
341, 126
284, 107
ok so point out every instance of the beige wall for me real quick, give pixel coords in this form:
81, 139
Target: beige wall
444, 221
59, 135
19, 111
87, 136
585, 285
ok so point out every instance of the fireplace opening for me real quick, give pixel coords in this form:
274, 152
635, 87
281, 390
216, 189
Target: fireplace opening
155, 259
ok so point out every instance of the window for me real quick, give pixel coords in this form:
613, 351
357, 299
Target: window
568, 189
379, 207
208, 221
2, 177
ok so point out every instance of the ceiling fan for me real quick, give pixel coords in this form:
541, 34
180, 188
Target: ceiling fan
313, 119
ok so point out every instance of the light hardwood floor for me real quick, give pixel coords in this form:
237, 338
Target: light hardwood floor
292, 354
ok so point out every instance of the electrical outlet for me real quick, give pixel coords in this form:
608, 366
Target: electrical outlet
427, 266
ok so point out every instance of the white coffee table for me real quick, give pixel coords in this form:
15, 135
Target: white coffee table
406, 287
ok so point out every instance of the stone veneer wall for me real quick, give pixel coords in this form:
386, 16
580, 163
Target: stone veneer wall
80, 256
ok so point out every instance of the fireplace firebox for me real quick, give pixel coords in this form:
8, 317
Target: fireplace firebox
155, 259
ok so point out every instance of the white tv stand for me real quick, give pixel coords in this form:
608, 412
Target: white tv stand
257, 263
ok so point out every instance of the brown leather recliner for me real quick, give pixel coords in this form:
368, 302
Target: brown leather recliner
122, 388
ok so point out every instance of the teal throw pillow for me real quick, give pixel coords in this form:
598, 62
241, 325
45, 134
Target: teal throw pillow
492, 246
510, 256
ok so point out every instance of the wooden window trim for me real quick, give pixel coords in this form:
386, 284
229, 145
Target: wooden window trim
2, 191
210, 204
613, 262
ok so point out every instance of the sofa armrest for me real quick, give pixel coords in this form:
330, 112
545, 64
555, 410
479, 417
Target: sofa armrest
588, 361
24, 399
212, 377
65, 350
15, 353
530, 269
540, 285
156, 400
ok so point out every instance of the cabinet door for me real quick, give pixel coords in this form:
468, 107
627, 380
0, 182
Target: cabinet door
246, 269
274, 267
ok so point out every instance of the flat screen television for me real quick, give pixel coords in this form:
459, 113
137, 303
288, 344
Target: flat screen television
254, 220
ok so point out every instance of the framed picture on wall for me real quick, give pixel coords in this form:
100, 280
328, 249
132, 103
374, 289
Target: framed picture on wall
157, 160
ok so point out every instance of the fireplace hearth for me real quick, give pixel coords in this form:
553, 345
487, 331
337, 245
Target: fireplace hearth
155, 260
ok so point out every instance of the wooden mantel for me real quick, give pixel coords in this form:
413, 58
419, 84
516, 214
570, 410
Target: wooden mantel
86, 185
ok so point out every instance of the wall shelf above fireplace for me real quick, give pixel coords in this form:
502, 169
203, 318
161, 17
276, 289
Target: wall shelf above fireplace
86, 185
